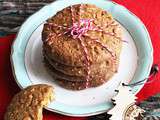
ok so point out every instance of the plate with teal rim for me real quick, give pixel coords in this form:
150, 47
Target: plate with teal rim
135, 60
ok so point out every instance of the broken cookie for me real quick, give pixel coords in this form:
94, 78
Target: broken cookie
28, 103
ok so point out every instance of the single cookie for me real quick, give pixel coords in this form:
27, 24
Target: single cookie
28, 104
67, 50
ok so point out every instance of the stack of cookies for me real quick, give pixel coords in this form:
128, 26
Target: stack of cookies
81, 46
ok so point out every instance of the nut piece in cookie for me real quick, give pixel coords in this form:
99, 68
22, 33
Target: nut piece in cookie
28, 103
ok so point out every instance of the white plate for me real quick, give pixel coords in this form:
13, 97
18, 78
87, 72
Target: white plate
37, 73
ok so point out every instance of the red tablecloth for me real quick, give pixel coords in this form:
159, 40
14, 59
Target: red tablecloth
147, 10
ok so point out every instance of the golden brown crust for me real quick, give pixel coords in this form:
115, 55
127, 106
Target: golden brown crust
67, 50
28, 104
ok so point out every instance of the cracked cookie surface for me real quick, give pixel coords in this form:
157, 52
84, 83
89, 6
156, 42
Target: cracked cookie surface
67, 50
28, 103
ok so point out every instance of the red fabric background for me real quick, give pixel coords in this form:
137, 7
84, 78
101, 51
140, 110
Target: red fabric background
147, 10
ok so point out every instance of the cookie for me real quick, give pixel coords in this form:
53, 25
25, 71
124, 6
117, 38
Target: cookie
28, 103
67, 50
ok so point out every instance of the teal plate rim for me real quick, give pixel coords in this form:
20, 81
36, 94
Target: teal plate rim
137, 30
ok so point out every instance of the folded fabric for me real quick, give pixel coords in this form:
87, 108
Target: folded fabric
14, 12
